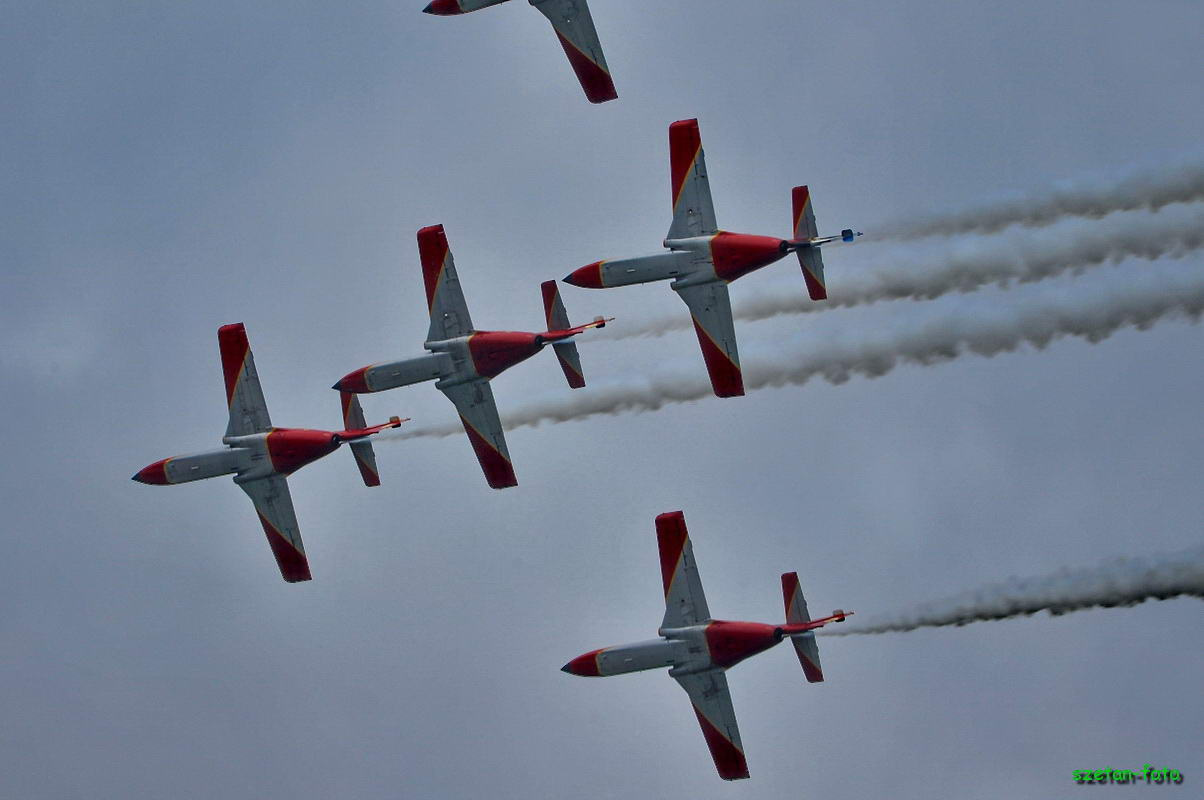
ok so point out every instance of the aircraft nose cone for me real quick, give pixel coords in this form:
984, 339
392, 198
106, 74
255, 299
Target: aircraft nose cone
153, 474
585, 665
587, 277
443, 8
356, 382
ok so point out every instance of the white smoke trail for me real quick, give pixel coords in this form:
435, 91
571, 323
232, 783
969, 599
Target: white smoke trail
1119, 582
1092, 315
971, 265
1148, 189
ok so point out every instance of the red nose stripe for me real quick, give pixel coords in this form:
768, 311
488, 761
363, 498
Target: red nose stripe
292, 562
587, 277
585, 665
726, 379
154, 474
432, 250
443, 8
729, 761
356, 382
594, 80
684, 144
232, 340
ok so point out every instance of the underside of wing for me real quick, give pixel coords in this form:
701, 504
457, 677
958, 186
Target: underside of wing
444, 298
575, 29
478, 412
244, 396
275, 507
713, 706
711, 309
685, 603
693, 212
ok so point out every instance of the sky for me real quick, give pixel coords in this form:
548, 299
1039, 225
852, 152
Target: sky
171, 167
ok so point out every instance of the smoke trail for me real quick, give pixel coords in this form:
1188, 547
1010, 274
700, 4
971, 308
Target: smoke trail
1090, 316
1119, 582
972, 265
1149, 189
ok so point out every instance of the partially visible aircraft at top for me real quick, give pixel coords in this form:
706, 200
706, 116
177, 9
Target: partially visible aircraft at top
261, 456
698, 649
702, 259
462, 360
574, 28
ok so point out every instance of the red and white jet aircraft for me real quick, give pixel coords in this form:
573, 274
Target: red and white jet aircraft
575, 29
261, 456
698, 649
463, 360
702, 260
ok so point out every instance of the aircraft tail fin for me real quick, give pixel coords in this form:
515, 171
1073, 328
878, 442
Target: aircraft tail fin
796, 612
804, 229
365, 457
558, 320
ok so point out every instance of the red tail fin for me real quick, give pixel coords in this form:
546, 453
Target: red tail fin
365, 458
558, 320
796, 612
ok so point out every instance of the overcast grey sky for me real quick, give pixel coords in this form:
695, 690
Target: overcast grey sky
168, 167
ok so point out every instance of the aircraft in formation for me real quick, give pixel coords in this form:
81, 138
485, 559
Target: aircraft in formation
261, 456
462, 360
574, 28
698, 649
702, 260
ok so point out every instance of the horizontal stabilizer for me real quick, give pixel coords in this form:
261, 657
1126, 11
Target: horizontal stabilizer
365, 458
812, 262
796, 613
558, 319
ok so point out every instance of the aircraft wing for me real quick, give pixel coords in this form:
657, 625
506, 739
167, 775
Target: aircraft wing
478, 412
275, 507
713, 707
712, 311
575, 29
693, 212
444, 298
685, 603
244, 396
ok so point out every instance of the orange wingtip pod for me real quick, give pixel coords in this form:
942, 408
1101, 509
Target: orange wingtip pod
685, 142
